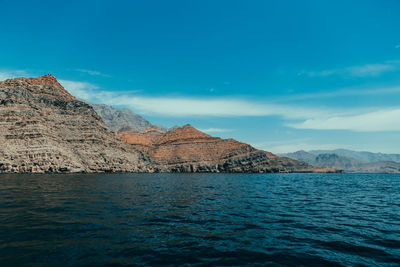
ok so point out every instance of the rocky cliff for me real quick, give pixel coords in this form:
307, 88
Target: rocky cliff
121, 119
187, 149
45, 129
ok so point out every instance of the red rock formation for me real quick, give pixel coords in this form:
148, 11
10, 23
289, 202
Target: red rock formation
187, 149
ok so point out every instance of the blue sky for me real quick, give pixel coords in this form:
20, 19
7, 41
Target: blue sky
281, 75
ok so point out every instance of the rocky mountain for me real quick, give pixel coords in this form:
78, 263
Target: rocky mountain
45, 129
121, 119
187, 149
347, 164
362, 156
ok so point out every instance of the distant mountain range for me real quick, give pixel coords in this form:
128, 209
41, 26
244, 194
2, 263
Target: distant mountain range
349, 161
362, 156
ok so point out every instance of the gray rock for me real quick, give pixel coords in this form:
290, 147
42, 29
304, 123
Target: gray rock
121, 119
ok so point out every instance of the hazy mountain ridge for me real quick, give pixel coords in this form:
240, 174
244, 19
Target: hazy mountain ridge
363, 156
359, 162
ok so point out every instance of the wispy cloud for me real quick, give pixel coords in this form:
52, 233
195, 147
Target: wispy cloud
346, 92
189, 106
216, 130
9, 74
82, 90
376, 121
292, 145
219, 107
367, 70
92, 72
294, 116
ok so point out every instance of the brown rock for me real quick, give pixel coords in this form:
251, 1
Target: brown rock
45, 129
187, 149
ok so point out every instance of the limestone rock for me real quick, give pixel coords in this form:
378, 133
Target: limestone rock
45, 129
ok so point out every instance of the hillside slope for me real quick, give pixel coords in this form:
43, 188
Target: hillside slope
187, 149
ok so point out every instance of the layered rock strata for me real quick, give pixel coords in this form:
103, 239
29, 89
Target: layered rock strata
45, 129
187, 149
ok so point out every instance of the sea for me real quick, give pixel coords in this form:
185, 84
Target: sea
200, 220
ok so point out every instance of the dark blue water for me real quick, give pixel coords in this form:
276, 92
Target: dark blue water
200, 219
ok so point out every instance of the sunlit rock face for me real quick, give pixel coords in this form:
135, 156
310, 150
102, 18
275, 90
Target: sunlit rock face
187, 149
43, 128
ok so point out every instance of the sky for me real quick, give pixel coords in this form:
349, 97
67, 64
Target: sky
280, 75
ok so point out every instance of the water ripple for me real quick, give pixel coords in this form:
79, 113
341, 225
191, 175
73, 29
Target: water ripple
200, 220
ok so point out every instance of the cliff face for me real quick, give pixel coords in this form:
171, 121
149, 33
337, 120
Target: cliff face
187, 149
120, 119
45, 129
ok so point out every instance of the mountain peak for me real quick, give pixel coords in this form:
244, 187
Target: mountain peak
189, 131
40, 85
48, 79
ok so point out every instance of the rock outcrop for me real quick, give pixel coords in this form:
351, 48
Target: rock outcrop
121, 119
187, 149
45, 129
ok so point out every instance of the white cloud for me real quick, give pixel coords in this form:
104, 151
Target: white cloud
82, 90
346, 92
367, 70
220, 107
371, 69
9, 74
381, 120
295, 116
185, 106
287, 147
92, 72
216, 130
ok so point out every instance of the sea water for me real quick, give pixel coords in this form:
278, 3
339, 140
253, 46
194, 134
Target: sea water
200, 219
